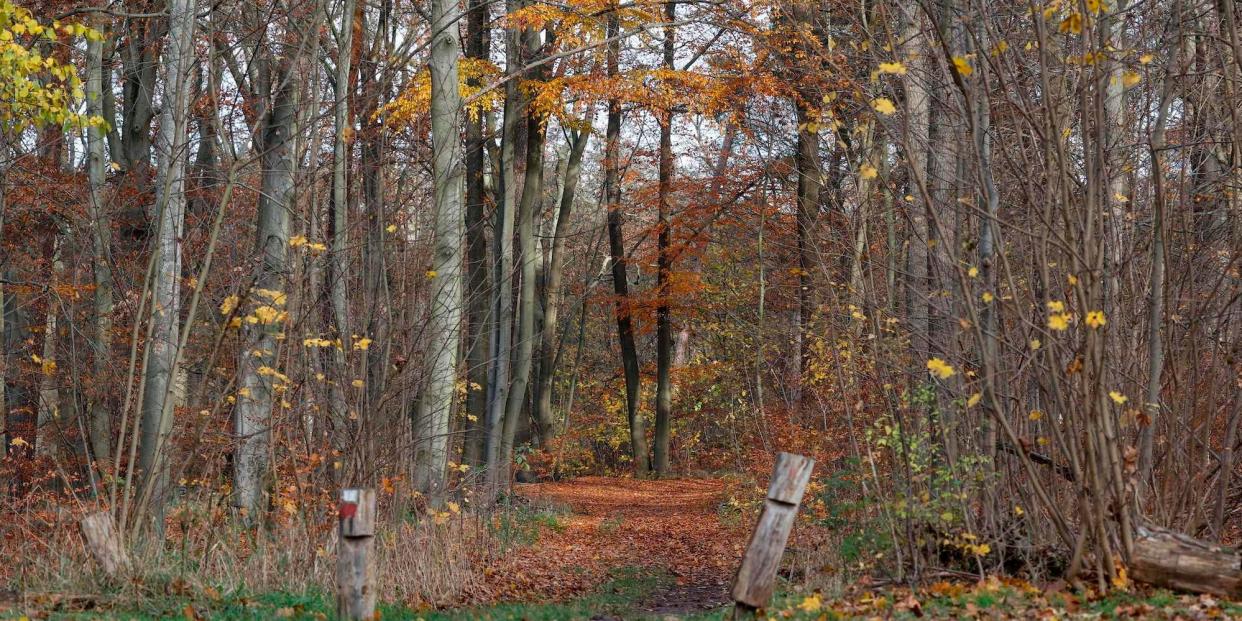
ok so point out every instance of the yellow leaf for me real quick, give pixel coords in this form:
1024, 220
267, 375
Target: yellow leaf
1056, 306
987, 297
1017, 510
867, 171
974, 400
894, 68
391, 228
1146, 59
297, 240
963, 66
1117, 397
1095, 319
1122, 579
1071, 24
17, 441
431, 274
972, 272
883, 105
1035, 344
362, 344
1130, 78
357, 383
940, 368
1059, 321
1035, 415
228, 305
811, 603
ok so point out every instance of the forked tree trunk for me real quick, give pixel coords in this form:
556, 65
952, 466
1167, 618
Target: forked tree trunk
502, 281
532, 199
616, 246
548, 427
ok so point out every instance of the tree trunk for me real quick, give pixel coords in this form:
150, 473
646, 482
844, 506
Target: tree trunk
808, 170
48, 420
257, 370
338, 259
914, 51
475, 446
445, 323
664, 261
548, 427
100, 440
528, 208
162, 346
502, 256
616, 245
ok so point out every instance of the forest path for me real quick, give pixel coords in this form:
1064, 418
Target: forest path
671, 526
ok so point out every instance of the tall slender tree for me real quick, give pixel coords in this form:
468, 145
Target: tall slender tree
444, 329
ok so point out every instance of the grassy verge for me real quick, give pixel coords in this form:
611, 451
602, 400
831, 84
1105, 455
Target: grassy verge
626, 588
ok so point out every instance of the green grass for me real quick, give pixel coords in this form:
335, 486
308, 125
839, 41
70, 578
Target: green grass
626, 588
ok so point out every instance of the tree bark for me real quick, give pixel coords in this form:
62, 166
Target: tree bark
914, 51
477, 282
502, 256
338, 259
257, 370
548, 427
664, 261
445, 324
100, 440
528, 207
162, 346
616, 246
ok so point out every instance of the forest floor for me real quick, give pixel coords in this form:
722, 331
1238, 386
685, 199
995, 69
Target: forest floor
669, 528
604, 549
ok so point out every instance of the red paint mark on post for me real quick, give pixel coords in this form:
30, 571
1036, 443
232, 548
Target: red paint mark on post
347, 510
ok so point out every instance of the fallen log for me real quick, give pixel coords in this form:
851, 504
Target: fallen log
1170, 559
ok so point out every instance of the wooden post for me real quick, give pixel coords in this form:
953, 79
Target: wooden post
355, 555
757, 575
104, 543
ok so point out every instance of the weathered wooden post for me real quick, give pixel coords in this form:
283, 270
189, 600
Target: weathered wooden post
355, 555
757, 575
104, 543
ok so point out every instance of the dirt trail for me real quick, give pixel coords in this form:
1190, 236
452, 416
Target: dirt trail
664, 524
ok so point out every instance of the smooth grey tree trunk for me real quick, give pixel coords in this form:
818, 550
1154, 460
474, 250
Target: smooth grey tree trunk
444, 329
100, 440
914, 51
502, 282
162, 346
257, 372
48, 420
528, 258
338, 262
